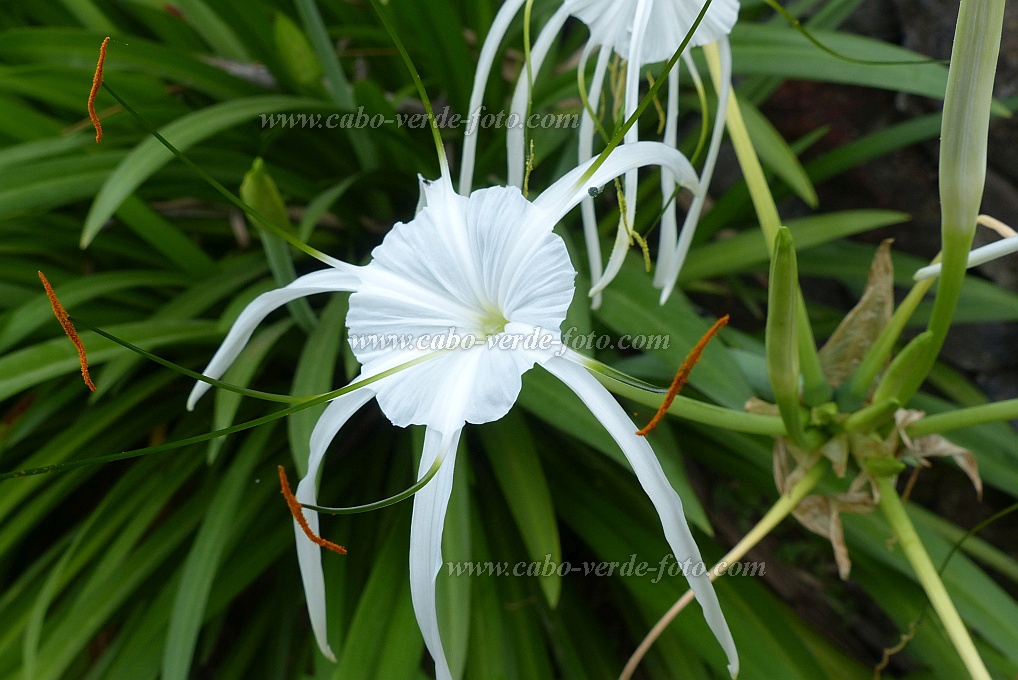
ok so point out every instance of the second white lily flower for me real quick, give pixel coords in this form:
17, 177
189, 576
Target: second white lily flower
642, 32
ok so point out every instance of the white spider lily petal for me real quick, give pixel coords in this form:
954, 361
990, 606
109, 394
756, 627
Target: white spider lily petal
677, 256
586, 146
342, 278
611, 24
487, 268
309, 555
568, 191
979, 256
669, 224
652, 478
516, 154
499, 26
627, 222
495, 257
426, 528
643, 32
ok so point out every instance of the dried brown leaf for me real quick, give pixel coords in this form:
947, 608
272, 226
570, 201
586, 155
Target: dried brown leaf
859, 329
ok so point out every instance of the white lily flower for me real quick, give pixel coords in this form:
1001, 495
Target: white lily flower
489, 267
642, 32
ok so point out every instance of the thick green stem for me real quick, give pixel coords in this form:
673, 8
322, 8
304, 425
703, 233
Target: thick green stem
779, 511
965, 417
700, 412
963, 141
897, 517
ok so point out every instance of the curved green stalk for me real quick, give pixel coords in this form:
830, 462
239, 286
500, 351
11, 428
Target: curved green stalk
805, 32
257, 394
701, 95
871, 364
391, 500
439, 147
581, 85
908, 539
965, 417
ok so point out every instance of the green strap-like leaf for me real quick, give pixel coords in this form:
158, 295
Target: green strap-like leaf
183, 133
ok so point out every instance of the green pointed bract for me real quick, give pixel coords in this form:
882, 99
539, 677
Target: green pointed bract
781, 348
300, 62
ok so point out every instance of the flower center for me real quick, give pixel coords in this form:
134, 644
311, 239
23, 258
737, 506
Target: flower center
492, 322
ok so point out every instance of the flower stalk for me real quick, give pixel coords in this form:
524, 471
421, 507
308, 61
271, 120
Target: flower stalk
876, 358
908, 539
700, 412
963, 141
965, 417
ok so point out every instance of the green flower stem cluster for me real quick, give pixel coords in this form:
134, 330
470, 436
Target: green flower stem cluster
962, 172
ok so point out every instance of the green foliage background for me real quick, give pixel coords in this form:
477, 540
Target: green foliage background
182, 564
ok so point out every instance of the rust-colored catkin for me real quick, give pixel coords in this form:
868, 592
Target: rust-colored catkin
97, 81
298, 514
683, 374
65, 323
